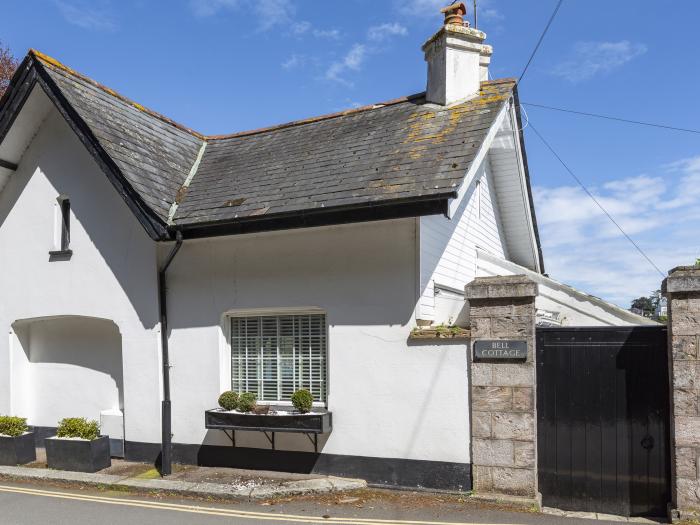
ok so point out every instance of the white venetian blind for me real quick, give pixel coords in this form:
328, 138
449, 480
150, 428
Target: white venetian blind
272, 356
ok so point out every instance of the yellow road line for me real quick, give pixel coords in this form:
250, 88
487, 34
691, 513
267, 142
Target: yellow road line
213, 511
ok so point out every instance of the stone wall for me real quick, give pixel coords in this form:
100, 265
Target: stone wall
682, 288
504, 452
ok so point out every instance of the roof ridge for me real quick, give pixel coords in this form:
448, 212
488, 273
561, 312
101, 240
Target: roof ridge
52, 62
328, 116
319, 118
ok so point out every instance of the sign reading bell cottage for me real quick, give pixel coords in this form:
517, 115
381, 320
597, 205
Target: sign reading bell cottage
501, 350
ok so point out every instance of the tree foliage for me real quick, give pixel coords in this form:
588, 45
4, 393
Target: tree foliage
647, 305
8, 64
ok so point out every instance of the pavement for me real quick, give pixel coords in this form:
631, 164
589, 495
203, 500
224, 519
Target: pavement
242, 488
129, 492
30, 503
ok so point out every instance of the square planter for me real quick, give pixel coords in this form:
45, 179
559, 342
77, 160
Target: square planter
78, 455
17, 450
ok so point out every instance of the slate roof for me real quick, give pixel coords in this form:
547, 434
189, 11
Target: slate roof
399, 151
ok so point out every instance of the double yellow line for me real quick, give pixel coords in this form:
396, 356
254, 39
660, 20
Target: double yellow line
212, 511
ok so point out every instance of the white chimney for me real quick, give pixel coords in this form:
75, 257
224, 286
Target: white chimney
458, 60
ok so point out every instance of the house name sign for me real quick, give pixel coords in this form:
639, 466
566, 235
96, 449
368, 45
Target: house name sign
501, 350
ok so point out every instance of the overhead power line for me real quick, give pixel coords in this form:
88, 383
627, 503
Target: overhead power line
608, 117
539, 42
580, 183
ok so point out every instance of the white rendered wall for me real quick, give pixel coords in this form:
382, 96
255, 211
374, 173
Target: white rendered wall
70, 367
111, 275
448, 246
389, 398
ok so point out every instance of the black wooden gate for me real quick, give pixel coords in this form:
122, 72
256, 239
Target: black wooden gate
603, 419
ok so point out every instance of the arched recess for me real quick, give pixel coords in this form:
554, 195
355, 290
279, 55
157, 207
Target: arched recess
65, 366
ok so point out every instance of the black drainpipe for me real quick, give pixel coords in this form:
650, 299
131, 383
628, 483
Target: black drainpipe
166, 447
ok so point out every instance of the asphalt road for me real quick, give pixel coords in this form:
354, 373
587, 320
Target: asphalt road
22, 504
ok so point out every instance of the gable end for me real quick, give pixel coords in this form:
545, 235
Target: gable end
28, 75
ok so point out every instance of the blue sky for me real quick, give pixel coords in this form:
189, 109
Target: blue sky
221, 66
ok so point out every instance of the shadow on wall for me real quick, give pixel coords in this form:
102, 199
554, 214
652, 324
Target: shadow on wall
65, 367
103, 229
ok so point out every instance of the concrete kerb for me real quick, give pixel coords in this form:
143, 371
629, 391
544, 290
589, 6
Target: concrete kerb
184, 488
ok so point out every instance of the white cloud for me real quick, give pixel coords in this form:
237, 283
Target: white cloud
95, 16
356, 56
205, 8
333, 34
421, 7
383, 32
282, 14
294, 62
352, 61
300, 28
431, 8
583, 248
592, 58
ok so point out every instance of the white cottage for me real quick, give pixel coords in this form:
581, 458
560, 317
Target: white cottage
147, 267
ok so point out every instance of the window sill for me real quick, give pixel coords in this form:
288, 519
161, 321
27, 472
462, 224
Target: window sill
60, 255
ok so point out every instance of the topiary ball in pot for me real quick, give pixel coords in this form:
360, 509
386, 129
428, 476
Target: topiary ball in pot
302, 401
228, 400
246, 402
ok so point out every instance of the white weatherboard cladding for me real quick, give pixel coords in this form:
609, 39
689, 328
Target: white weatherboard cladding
448, 246
111, 276
389, 398
574, 308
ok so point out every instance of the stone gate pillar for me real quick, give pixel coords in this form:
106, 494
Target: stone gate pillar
503, 426
682, 288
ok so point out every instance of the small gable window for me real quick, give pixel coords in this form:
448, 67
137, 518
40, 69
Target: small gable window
62, 235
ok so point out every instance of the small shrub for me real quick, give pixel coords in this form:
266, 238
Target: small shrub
228, 400
78, 427
302, 401
13, 426
246, 402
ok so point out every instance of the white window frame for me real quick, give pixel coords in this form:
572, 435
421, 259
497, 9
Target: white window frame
226, 378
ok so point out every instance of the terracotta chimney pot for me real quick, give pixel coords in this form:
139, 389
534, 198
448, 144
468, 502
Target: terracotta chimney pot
454, 14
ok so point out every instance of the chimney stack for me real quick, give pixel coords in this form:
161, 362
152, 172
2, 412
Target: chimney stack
458, 60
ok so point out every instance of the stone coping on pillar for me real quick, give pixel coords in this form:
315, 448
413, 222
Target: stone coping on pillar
683, 279
500, 287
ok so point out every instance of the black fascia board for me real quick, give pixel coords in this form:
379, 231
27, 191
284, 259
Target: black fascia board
397, 209
155, 227
29, 74
17, 93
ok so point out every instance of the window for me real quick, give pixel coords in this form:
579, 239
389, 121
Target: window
274, 355
62, 231
65, 224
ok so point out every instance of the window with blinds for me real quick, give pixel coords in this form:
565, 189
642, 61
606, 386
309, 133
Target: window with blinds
273, 356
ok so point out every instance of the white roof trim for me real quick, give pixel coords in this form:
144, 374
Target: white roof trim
581, 296
478, 160
505, 118
523, 186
